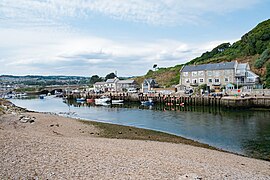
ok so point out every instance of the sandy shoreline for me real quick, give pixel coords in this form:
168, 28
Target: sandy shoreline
54, 147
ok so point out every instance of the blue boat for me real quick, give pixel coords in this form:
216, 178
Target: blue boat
80, 100
148, 103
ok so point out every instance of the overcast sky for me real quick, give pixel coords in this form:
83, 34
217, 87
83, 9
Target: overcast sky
87, 37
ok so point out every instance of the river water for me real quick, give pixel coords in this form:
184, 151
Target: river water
244, 132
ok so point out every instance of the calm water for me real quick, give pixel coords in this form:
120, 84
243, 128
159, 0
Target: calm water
241, 131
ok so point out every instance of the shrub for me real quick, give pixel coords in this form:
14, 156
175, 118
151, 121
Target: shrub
262, 59
267, 82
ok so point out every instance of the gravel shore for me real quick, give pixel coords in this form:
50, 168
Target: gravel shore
44, 146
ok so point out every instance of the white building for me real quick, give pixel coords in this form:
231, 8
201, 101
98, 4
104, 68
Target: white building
218, 75
115, 85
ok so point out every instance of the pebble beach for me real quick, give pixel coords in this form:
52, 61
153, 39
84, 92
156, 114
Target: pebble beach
47, 146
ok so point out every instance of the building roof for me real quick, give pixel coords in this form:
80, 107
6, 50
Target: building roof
242, 66
129, 81
100, 83
217, 66
112, 80
150, 80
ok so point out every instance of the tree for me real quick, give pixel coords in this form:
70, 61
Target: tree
267, 82
94, 79
110, 76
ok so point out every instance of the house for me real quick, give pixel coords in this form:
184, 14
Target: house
111, 85
124, 85
148, 85
115, 85
217, 75
99, 87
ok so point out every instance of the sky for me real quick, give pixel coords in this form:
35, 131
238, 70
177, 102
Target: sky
88, 37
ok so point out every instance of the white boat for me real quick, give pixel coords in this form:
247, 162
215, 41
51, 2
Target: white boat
102, 99
117, 101
103, 104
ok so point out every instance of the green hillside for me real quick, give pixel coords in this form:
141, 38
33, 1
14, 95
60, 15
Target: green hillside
253, 47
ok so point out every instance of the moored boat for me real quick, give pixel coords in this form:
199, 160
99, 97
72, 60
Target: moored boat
117, 101
102, 99
42, 96
148, 103
80, 99
90, 100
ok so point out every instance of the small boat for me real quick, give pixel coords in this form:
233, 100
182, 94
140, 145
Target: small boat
90, 100
148, 103
117, 101
103, 104
80, 100
42, 96
102, 99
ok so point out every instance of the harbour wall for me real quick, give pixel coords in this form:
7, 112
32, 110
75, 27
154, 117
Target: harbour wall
169, 100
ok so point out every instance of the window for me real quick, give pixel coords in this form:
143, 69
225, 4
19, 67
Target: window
194, 73
187, 80
210, 80
201, 80
216, 80
216, 73
194, 81
185, 74
201, 73
210, 73
226, 79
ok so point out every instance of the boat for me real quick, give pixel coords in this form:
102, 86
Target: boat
90, 100
148, 103
42, 96
117, 101
79, 100
102, 99
103, 104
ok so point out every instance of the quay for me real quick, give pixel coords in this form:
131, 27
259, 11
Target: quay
174, 101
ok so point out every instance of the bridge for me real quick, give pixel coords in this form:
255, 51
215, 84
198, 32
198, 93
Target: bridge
61, 88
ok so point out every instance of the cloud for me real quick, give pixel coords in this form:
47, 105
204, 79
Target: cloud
27, 51
157, 12
38, 37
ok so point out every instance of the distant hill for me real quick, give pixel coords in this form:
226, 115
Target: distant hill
43, 80
253, 47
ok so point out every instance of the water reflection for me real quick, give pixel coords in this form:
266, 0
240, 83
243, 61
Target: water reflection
242, 131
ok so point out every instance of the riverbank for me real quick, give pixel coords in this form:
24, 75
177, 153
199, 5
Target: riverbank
36, 145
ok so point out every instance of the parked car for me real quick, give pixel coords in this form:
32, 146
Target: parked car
166, 92
132, 90
188, 91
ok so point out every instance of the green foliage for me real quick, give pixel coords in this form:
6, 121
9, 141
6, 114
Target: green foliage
94, 79
203, 86
28, 89
262, 59
207, 55
267, 82
110, 76
254, 42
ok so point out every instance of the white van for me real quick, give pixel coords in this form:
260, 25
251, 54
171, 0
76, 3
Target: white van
132, 90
